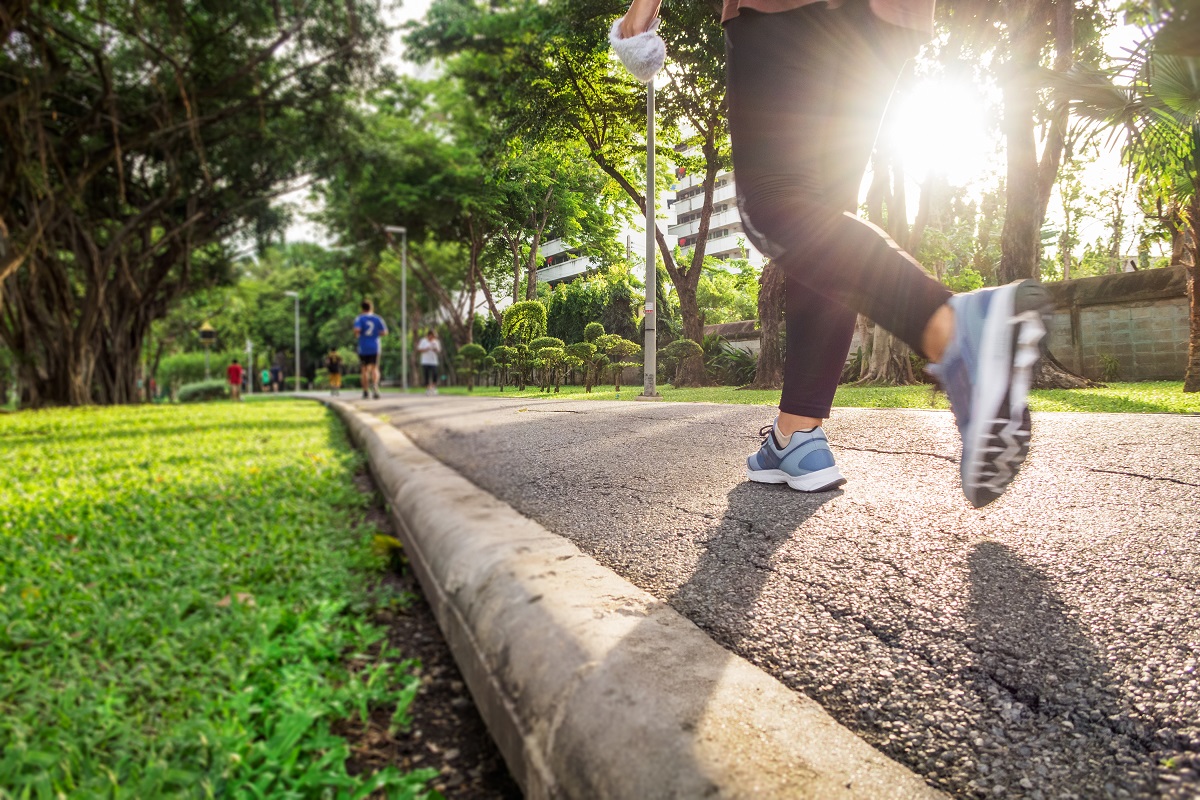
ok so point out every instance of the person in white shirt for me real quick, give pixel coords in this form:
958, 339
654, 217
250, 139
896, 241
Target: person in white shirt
430, 349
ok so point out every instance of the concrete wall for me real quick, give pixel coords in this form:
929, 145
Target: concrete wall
1138, 318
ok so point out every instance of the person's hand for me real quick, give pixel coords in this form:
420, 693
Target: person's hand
643, 52
638, 18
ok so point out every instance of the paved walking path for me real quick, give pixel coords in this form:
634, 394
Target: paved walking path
1047, 646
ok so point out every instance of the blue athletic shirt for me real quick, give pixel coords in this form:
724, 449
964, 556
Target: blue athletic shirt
370, 327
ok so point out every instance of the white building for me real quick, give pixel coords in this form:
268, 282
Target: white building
683, 201
726, 237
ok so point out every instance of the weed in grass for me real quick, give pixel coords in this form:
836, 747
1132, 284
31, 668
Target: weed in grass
179, 607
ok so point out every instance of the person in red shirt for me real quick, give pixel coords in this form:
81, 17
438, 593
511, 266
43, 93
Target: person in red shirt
235, 379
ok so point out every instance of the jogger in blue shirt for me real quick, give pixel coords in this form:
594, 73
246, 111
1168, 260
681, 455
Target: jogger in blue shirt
368, 327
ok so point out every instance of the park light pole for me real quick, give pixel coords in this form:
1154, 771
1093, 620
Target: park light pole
403, 231
296, 296
207, 337
650, 348
250, 366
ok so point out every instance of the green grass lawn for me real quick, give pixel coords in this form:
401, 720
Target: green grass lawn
182, 606
1164, 397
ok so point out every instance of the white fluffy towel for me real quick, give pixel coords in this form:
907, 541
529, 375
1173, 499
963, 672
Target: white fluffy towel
643, 55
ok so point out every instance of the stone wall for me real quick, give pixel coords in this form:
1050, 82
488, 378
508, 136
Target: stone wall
1138, 318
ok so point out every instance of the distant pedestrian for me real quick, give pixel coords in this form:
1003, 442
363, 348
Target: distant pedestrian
430, 349
368, 327
333, 363
266, 379
234, 373
276, 378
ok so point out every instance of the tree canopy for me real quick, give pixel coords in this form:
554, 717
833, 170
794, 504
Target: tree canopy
143, 142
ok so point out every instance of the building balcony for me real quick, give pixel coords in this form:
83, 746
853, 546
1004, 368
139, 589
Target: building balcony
730, 245
722, 194
553, 247
566, 270
721, 219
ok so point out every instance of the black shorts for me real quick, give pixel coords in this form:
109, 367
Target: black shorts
368, 358
430, 371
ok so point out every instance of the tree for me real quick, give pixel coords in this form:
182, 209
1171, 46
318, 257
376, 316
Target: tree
548, 352
504, 357
551, 188
513, 52
726, 295
617, 349
524, 321
1023, 38
595, 360
552, 359
579, 355
679, 351
471, 357
1155, 96
138, 139
420, 158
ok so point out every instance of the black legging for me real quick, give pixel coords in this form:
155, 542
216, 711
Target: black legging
430, 371
807, 90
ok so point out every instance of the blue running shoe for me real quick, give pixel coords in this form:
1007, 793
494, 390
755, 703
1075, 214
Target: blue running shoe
986, 372
806, 464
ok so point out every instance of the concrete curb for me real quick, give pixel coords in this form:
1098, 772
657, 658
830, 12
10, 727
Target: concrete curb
591, 687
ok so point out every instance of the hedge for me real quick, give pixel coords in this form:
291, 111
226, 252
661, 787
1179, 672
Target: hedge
201, 391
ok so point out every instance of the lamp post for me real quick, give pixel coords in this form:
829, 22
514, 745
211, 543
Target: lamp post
250, 366
403, 231
207, 337
296, 296
650, 350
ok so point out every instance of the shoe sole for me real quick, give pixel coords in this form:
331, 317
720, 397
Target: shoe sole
823, 480
997, 438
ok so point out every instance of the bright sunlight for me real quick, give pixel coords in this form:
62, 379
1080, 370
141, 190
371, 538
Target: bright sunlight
941, 125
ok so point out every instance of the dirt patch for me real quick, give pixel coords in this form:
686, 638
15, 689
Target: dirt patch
446, 732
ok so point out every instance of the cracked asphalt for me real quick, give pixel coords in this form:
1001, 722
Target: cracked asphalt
1047, 646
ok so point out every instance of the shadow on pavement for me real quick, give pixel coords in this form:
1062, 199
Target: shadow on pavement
737, 555
1047, 680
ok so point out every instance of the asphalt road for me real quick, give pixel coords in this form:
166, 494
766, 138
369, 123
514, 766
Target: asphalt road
1047, 646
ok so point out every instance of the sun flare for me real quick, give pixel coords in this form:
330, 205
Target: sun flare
940, 125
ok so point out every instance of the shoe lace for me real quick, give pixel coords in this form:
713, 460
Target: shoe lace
765, 433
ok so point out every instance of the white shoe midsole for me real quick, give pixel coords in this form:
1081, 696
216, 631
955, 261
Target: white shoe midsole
808, 482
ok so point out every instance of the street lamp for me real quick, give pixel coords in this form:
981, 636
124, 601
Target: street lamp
296, 295
207, 336
403, 231
250, 366
650, 351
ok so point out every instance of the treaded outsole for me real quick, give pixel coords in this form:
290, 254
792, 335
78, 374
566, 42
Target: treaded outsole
1007, 439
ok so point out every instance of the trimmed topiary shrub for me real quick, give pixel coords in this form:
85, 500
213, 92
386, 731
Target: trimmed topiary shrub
203, 391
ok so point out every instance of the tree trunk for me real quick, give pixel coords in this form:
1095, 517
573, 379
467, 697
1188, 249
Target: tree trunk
889, 363
769, 374
691, 370
1021, 237
1191, 378
1029, 182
